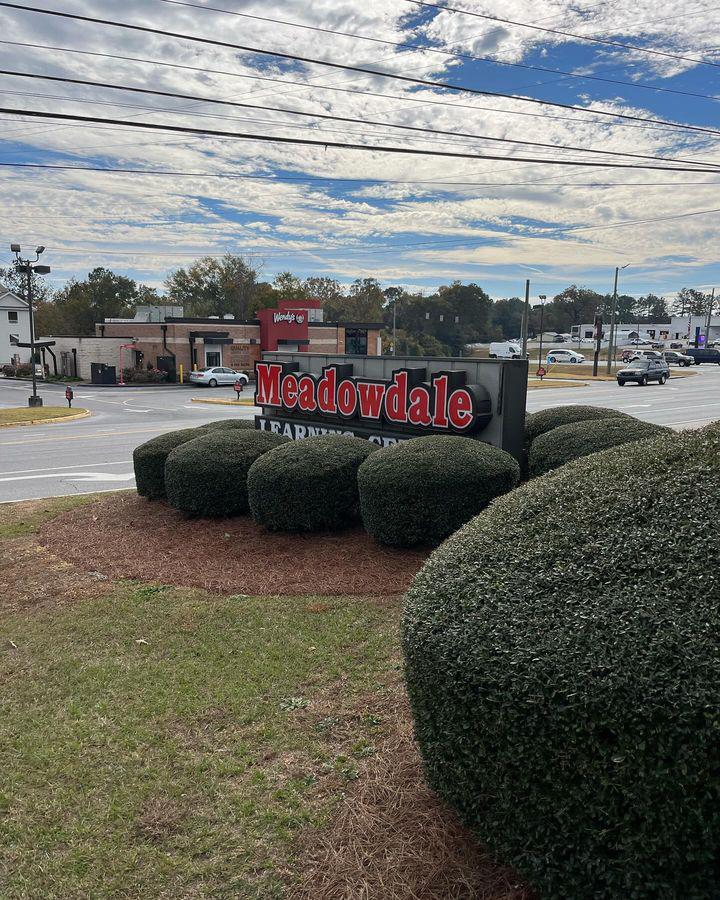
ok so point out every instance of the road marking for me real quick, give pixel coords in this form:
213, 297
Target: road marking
636, 406
60, 469
78, 476
83, 437
133, 409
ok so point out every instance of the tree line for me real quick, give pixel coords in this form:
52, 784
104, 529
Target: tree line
436, 324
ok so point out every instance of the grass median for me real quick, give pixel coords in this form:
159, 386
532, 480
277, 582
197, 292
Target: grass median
23, 415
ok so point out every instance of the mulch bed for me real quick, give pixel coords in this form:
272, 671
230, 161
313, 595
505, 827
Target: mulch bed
125, 536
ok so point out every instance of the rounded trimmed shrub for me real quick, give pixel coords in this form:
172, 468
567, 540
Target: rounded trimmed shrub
420, 491
230, 425
308, 485
208, 476
545, 420
563, 674
149, 461
567, 442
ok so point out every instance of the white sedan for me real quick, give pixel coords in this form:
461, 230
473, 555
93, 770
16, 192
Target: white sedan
564, 356
212, 376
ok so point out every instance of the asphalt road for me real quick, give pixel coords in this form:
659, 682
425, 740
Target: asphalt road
95, 454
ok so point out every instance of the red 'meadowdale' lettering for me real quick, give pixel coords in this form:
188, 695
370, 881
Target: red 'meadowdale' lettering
438, 405
268, 384
396, 399
371, 397
289, 391
347, 397
460, 409
326, 392
419, 412
306, 395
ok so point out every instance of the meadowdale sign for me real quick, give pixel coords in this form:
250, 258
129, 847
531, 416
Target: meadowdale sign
334, 400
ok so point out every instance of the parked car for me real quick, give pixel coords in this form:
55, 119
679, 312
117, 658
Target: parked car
564, 356
505, 350
676, 345
703, 355
629, 355
644, 370
673, 357
212, 376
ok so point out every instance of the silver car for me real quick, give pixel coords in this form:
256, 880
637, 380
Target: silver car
212, 376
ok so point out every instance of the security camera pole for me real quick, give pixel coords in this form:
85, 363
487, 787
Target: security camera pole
27, 267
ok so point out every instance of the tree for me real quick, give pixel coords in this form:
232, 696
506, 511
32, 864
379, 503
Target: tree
689, 302
654, 308
80, 304
573, 306
17, 283
289, 287
507, 316
214, 287
363, 303
326, 290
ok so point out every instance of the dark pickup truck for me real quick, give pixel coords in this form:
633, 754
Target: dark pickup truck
703, 355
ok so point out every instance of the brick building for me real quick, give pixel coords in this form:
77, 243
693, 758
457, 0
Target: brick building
163, 338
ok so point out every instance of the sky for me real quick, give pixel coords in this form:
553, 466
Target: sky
416, 220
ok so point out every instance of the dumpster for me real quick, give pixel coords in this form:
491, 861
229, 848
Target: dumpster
100, 373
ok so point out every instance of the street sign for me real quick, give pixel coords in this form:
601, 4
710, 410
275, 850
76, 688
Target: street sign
541, 372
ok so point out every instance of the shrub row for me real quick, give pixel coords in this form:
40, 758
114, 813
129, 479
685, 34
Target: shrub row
563, 678
546, 419
567, 442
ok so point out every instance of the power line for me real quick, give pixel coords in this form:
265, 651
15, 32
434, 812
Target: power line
654, 124
452, 53
302, 179
265, 138
362, 69
328, 116
570, 34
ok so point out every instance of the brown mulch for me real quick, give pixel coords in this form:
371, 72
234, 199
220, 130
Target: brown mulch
124, 536
393, 839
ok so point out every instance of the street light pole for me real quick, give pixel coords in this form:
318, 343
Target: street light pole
28, 267
543, 297
526, 319
709, 317
394, 328
611, 339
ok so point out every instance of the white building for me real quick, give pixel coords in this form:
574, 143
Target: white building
14, 327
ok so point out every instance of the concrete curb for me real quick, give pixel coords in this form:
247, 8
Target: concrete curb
79, 415
219, 402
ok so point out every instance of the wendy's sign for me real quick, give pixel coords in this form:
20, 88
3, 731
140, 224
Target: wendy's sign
408, 404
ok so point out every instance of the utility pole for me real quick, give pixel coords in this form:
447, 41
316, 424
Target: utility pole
394, 328
709, 317
526, 319
543, 298
28, 267
611, 338
598, 339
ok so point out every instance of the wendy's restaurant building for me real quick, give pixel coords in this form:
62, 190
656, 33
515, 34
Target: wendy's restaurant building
161, 337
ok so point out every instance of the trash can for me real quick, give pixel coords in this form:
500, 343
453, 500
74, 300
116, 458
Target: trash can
100, 373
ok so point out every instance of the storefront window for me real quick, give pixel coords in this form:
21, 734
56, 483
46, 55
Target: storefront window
212, 358
356, 341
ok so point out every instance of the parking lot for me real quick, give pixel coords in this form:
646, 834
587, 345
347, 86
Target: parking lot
95, 454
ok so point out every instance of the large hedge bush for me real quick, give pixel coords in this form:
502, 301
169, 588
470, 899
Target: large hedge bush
567, 442
420, 491
208, 476
545, 420
230, 425
308, 485
563, 673
149, 461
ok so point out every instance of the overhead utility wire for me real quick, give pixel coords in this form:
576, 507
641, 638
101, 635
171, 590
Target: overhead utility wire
302, 179
362, 69
654, 125
265, 138
459, 54
580, 37
333, 118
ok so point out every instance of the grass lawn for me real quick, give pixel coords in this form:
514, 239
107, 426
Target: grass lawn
21, 414
158, 742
